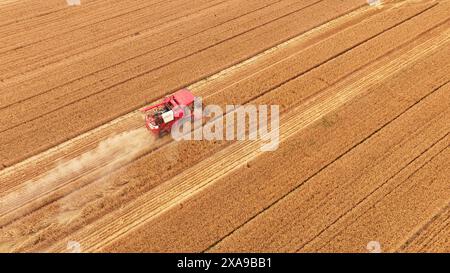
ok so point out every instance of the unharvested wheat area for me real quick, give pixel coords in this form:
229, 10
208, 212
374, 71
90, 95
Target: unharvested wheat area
362, 165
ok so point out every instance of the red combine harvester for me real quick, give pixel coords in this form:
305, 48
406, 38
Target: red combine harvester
160, 118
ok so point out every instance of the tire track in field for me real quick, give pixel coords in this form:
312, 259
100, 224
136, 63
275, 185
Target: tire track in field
325, 204
64, 19
325, 27
8, 57
415, 54
71, 111
223, 74
190, 244
412, 215
41, 14
128, 78
246, 31
191, 181
17, 11
432, 236
89, 48
58, 109
11, 101
133, 120
317, 244
218, 210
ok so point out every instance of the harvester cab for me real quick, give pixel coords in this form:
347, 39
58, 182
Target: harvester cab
160, 118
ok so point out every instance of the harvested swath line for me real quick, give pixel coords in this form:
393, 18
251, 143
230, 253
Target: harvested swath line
111, 106
342, 183
382, 191
291, 47
431, 237
214, 77
155, 45
141, 66
27, 17
64, 24
319, 70
411, 204
376, 196
147, 45
135, 117
29, 33
237, 241
34, 90
40, 22
45, 161
162, 235
51, 16
207, 225
13, 10
363, 14
101, 160
39, 56
191, 181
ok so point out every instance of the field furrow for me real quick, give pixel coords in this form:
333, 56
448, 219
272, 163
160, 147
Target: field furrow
362, 156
